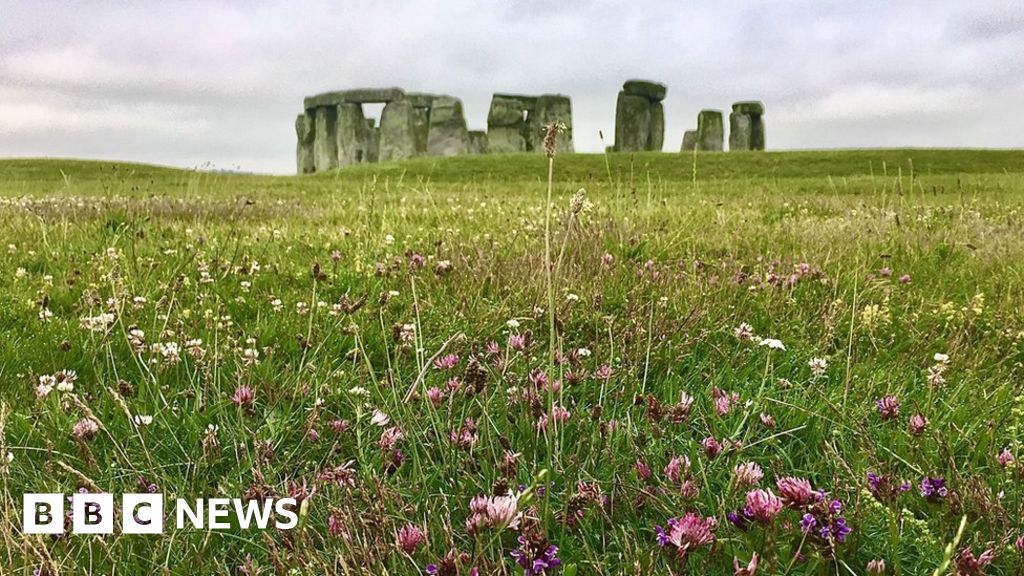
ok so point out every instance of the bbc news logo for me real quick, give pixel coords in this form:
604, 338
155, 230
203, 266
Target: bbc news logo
144, 513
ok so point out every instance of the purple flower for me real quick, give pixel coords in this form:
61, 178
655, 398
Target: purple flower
933, 489
536, 556
888, 407
807, 523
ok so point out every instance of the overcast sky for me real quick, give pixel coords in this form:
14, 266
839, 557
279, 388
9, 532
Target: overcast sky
189, 83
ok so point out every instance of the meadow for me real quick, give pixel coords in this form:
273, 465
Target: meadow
725, 364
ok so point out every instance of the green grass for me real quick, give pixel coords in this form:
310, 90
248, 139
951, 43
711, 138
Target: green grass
674, 254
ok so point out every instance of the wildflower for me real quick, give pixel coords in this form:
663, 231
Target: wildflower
1005, 458
379, 418
410, 537
711, 447
807, 523
748, 474
686, 534
885, 272
888, 407
935, 376
535, 555
442, 267
905, 279
604, 372
876, 567
772, 344
749, 570
796, 493
677, 468
767, 420
818, 366
918, 424
85, 429
551, 132
883, 488
933, 489
607, 260
968, 565
762, 506
446, 362
518, 342
578, 202
744, 332
244, 397
941, 358
723, 400
141, 420
435, 396
642, 470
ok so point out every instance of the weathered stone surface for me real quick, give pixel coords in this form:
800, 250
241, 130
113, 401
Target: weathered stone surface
420, 99
533, 131
710, 131
656, 137
505, 112
304, 132
751, 107
358, 96
528, 103
373, 144
448, 135
421, 128
632, 122
397, 131
477, 142
739, 131
353, 134
654, 91
506, 139
325, 139
555, 108
757, 137
689, 141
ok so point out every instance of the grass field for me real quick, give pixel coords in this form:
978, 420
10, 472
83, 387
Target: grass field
811, 361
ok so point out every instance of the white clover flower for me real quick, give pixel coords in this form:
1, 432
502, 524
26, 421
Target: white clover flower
141, 420
512, 323
379, 418
389, 239
359, 391
572, 297
583, 352
817, 365
940, 357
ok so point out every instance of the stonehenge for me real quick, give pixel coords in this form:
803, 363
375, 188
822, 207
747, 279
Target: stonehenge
640, 116
746, 126
333, 130
515, 122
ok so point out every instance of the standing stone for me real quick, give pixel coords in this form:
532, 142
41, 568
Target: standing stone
506, 126
325, 139
739, 132
757, 138
555, 108
477, 142
304, 131
398, 131
448, 135
710, 131
746, 124
656, 137
353, 135
632, 122
689, 141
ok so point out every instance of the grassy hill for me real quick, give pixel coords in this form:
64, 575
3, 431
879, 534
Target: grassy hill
438, 361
